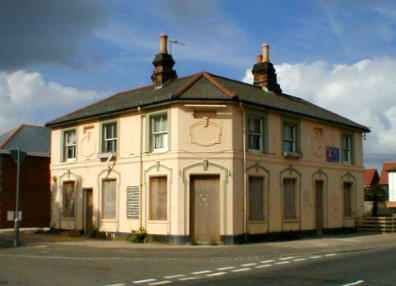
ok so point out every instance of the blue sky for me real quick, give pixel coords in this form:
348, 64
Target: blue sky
118, 53
57, 56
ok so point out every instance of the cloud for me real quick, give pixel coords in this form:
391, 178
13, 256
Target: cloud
46, 31
363, 91
26, 97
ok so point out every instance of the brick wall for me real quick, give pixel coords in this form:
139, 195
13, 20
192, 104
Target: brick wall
35, 191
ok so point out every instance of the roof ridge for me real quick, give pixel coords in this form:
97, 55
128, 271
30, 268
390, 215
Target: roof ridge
217, 84
12, 135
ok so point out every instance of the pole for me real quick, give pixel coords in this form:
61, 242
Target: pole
16, 215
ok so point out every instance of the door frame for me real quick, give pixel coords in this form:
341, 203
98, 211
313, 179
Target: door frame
192, 202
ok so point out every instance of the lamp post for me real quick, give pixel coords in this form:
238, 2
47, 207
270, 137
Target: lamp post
18, 157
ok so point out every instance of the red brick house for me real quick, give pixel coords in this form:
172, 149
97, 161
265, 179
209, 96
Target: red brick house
35, 176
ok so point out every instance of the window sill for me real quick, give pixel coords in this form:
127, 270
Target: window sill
106, 156
294, 220
257, 221
159, 151
158, 221
292, 155
108, 220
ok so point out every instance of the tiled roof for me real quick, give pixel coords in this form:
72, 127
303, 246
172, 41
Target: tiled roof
370, 177
386, 167
204, 86
29, 138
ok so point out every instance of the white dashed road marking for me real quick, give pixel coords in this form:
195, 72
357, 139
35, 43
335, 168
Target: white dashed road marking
188, 278
299, 259
201, 272
248, 264
263, 266
267, 261
174, 276
226, 268
222, 271
360, 282
161, 282
241, 269
287, 258
216, 274
144, 281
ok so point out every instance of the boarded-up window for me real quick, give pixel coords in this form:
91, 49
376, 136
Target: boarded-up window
256, 198
133, 202
158, 198
347, 199
69, 199
290, 198
109, 199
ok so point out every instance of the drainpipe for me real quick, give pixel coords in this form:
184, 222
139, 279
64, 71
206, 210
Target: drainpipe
141, 169
243, 112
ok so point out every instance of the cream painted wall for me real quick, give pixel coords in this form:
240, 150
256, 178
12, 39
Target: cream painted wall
206, 141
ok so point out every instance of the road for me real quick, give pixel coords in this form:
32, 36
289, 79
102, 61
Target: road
333, 261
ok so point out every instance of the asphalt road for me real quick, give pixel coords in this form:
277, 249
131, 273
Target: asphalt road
288, 263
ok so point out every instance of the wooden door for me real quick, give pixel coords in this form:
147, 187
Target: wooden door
205, 209
319, 206
88, 211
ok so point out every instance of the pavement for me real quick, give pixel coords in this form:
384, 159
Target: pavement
331, 260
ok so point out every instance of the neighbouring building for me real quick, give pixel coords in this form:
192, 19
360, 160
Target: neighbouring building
206, 159
35, 194
388, 182
371, 178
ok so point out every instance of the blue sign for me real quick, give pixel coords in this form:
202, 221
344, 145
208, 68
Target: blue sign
333, 154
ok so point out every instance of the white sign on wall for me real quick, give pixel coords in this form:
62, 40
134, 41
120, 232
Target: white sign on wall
11, 215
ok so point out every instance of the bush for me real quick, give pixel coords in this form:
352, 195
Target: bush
139, 236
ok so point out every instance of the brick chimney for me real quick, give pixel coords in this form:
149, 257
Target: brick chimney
264, 73
163, 63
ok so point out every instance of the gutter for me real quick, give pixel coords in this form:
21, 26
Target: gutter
31, 154
172, 100
243, 112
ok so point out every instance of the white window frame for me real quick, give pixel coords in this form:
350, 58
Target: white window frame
260, 134
67, 145
293, 139
105, 140
154, 134
347, 148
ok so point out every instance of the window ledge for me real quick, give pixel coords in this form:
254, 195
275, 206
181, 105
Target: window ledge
292, 155
294, 220
106, 156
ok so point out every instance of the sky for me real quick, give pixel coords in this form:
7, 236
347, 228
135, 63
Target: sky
57, 56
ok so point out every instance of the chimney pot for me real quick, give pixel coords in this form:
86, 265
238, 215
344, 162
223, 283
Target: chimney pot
164, 43
266, 53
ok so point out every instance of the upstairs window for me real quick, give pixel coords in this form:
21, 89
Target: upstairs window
109, 137
70, 145
159, 131
255, 133
290, 135
347, 148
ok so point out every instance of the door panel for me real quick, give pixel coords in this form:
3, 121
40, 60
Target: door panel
319, 205
88, 211
205, 209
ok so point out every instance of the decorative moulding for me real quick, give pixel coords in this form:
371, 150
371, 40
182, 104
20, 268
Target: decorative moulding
205, 133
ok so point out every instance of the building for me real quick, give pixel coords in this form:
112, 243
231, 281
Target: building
35, 191
206, 159
371, 178
388, 182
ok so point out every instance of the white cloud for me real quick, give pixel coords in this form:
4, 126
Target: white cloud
26, 97
364, 91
